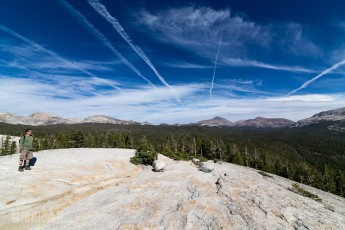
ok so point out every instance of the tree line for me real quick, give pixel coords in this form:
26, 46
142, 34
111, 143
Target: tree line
7, 146
314, 158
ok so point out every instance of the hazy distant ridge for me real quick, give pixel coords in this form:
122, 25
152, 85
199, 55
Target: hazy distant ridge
42, 118
52, 119
330, 115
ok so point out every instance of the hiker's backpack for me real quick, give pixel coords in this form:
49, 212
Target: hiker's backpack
22, 137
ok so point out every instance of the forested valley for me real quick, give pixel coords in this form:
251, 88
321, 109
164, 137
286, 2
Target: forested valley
311, 155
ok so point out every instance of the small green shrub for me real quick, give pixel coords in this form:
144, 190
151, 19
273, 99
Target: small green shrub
143, 157
203, 159
297, 189
145, 154
176, 156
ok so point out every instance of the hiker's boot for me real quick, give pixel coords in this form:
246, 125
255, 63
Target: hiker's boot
27, 167
20, 169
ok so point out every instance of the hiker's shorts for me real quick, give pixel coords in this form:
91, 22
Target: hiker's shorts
25, 155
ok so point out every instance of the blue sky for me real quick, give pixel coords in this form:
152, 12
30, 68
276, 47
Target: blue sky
172, 61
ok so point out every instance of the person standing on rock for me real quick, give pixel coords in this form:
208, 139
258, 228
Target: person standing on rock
25, 149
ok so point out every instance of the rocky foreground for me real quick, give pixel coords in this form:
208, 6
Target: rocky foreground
101, 189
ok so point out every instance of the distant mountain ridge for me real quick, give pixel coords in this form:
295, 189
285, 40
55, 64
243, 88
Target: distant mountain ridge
41, 118
330, 115
261, 122
216, 121
258, 122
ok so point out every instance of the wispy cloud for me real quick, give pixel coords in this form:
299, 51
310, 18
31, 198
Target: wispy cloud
90, 27
84, 98
294, 38
35, 47
234, 87
238, 62
101, 9
303, 98
306, 84
185, 65
253, 63
19, 52
56, 86
198, 28
28, 57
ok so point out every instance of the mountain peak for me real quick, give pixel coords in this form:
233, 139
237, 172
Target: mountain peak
218, 118
43, 115
260, 118
216, 121
262, 122
107, 120
6, 114
329, 115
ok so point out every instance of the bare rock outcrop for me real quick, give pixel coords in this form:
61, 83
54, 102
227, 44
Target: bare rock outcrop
330, 115
206, 168
158, 165
101, 189
214, 122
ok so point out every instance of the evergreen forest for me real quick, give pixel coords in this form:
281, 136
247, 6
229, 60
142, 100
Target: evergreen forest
313, 155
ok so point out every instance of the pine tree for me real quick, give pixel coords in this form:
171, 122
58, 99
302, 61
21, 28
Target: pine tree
78, 139
63, 141
145, 154
143, 144
6, 147
13, 148
238, 159
340, 183
328, 183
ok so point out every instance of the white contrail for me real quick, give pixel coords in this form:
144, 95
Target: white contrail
215, 65
336, 66
101, 9
81, 18
54, 55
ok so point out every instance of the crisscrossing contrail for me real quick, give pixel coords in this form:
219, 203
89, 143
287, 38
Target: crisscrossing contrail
336, 66
215, 65
80, 17
54, 55
102, 10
